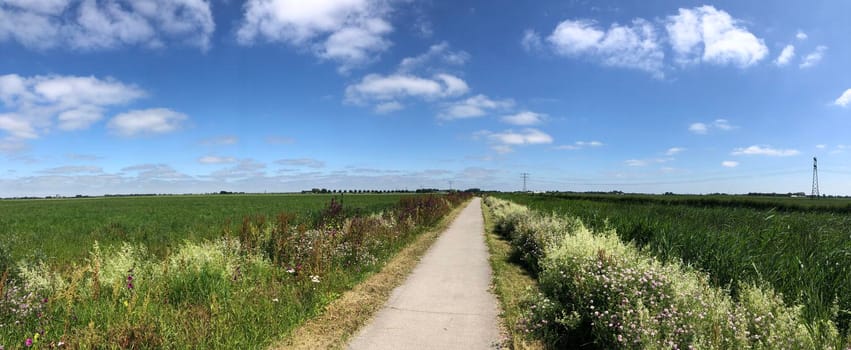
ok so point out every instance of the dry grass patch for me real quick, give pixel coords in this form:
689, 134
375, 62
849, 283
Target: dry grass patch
345, 316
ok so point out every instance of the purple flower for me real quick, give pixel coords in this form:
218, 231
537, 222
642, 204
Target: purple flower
130, 278
29, 342
130, 285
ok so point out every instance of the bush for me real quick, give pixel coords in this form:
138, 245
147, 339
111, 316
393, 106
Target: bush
595, 286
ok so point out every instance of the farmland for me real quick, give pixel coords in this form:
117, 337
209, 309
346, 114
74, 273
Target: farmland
194, 272
796, 251
65, 229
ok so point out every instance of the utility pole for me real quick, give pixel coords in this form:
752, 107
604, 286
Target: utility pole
815, 192
450, 185
525, 177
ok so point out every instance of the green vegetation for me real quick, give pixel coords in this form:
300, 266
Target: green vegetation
512, 284
244, 288
64, 230
803, 255
598, 291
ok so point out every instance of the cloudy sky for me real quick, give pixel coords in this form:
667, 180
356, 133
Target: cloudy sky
178, 96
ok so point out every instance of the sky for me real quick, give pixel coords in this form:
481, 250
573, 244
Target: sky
192, 96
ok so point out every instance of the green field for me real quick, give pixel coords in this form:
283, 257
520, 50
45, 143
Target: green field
230, 272
64, 229
799, 247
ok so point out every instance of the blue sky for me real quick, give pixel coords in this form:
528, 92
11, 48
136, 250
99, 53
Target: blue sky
179, 96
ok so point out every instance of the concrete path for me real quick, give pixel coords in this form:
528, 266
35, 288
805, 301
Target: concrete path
445, 303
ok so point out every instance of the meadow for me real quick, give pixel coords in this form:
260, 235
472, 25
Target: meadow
795, 258
64, 230
239, 282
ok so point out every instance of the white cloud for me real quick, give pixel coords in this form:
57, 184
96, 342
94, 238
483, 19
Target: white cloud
722, 124
302, 162
729, 164
388, 107
107, 24
438, 52
531, 41
376, 87
698, 128
814, 58
801, 35
578, 145
72, 169
785, 56
705, 34
674, 151
758, 150
628, 46
351, 32
503, 142
635, 162
524, 118
844, 100
717, 124
148, 121
35, 104
216, 160
474, 107
821, 146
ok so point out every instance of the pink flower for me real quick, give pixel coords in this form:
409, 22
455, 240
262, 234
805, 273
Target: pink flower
29, 342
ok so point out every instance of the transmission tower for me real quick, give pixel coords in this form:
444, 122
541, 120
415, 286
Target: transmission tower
525, 177
815, 193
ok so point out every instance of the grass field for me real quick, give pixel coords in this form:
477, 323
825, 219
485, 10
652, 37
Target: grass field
802, 251
205, 283
601, 290
64, 229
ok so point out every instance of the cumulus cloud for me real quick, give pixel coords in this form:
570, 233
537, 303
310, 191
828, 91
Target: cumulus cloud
763, 150
35, 104
147, 122
578, 145
698, 128
390, 88
801, 35
503, 142
302, 162
729, 164
785, 56
474, 107
106, 24
531, 41
814, 58
216, 160
524, 118
843, 101
629, 46
440, 53
350, 32
706, 34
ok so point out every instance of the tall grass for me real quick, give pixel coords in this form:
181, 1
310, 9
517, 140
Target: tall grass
601, 292
803, 255
244, 289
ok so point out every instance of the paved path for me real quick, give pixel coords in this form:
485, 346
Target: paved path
445, 303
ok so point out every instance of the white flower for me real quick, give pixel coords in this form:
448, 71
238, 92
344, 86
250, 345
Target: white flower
314, 278
291, 270
275, 300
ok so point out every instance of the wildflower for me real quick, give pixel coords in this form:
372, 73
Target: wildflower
59, 344
130, 285
29, 342
314, 278
291, 270
275, 300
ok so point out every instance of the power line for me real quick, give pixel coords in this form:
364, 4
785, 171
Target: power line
525, 177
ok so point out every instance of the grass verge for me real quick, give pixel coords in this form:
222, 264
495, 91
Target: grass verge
343, 317
512, 283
